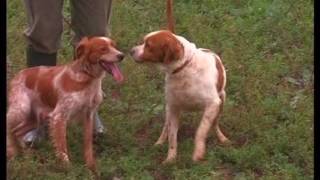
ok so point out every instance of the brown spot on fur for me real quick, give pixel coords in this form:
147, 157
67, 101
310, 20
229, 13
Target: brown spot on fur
48, 93
72, 85
31, 77
92, 48
98, 47
221, 77
220, 69
162, 47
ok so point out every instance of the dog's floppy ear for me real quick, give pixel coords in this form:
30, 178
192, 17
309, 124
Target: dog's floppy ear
174, 51
81, 49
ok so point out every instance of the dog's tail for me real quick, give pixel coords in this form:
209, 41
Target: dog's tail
222, 78
170, 19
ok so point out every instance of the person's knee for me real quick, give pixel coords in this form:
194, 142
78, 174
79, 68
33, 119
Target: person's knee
44, 35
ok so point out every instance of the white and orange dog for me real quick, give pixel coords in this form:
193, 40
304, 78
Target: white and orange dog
195, 80
56, 95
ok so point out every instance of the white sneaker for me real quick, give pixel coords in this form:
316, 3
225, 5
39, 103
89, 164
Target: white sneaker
99, 128
30, 137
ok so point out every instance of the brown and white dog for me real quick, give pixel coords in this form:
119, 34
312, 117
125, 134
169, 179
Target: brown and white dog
59, 94
195, 80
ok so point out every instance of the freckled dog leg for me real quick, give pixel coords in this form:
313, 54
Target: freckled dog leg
221, 137
17, 117
173, 123
11, 145
58, 128
164, 134
88, 142
209, 115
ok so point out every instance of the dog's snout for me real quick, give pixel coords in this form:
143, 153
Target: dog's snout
120, 56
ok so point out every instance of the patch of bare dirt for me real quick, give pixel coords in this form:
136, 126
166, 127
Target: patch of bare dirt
186, 131
226, 172
258, 173
158, 174
241, 141
143, 134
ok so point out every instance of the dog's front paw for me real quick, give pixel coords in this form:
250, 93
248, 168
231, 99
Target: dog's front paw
64, 158
63, 166
161, 140
169, 160
158, 143
198, 156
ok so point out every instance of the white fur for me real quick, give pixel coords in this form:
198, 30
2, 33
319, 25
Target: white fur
105, 38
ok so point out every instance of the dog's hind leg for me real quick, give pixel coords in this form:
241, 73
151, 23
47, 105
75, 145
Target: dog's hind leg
11, 144
17, 125
209, 116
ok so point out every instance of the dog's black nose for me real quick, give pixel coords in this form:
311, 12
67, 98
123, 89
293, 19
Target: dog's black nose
132, 51
120, 56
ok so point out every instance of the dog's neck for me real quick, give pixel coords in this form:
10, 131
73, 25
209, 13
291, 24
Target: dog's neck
82, 68
180, 64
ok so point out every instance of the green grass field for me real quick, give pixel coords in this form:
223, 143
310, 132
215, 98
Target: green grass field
267, 49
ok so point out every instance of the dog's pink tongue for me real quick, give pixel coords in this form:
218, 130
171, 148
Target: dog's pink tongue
116, 73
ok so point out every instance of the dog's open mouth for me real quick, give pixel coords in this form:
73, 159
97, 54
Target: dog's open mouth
113, 69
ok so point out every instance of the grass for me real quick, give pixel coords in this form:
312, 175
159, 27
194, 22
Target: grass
267, 49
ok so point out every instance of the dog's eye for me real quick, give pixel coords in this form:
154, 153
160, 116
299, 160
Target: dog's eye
113, 44
104, 49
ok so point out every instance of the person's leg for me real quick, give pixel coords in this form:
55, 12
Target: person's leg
98, 126
91, 18
43, 39
43, 32
35, 135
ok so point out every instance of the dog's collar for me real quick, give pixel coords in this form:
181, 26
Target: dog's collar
178, 69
